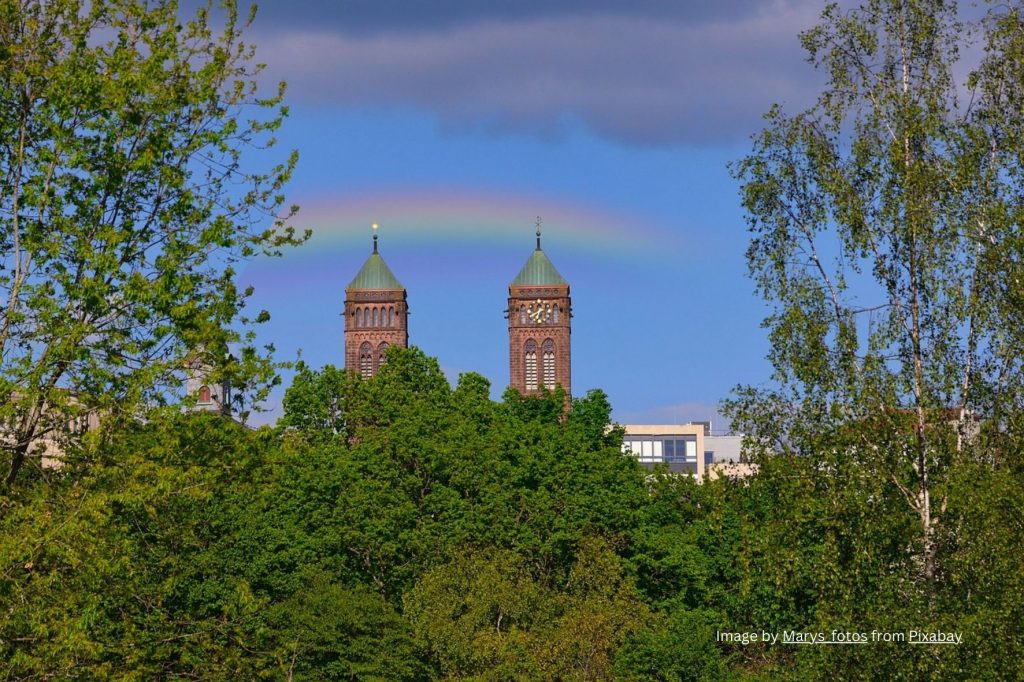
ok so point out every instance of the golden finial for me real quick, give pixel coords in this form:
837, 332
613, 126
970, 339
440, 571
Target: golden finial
375, 237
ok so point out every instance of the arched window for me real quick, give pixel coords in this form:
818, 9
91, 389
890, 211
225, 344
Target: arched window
549, 363
554, 314
391, 316
355, 318
366, 360
366, 317
376, 320
382, 353
531, 365
205, 395
522, 314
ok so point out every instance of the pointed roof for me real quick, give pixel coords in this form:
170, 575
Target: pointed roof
539, 270
375, 273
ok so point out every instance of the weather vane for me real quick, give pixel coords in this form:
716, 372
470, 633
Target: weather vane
538, 233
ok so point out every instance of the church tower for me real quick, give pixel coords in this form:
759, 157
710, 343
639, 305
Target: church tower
539, 314
376, 315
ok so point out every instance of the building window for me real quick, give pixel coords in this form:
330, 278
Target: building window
531, 365
381, 353
205, 395
549, 364
554, 314
375, 319
522, 314
391, 316
678, 450
366, 317
355, 317
366, 360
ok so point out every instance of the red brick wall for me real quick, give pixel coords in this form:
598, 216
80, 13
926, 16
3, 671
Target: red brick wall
559, 332
394, 335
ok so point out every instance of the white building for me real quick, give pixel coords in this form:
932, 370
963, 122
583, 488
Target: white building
687, 448
680, 446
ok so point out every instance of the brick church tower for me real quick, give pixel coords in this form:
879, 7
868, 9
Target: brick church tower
376, 315
539, 314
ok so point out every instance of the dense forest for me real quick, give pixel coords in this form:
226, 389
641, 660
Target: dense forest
399, 529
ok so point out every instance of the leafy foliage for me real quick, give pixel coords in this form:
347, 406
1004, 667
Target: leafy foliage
424, 532
126, 198
885, 227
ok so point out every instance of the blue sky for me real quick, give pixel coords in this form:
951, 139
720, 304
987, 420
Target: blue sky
455, 128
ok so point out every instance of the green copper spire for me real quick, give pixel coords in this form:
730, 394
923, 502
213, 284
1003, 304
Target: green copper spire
375, 273
538, 271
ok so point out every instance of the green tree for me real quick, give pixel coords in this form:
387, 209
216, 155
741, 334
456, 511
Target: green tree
117, 572
885, 223
486, 616
885, 227
325, 631
486, 524
392, 528
673, 647
126, 198
320, 404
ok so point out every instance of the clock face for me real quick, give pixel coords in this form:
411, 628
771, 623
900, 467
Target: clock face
539, 312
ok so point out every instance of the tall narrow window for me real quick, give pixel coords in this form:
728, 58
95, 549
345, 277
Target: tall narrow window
366, 360
554, 315
549, 363
522, 314
366, 317
391, 316
376, 320
382, 353
531, 365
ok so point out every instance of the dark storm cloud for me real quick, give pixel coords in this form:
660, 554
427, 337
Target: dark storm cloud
389, 15
643, 72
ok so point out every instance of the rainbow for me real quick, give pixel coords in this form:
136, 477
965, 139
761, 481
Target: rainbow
464, 232
427, 216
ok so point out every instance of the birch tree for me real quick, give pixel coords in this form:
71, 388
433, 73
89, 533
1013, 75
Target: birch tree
886, 234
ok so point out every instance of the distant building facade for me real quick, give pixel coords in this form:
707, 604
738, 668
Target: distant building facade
724, 449
687, 448
680, 446
210, 395
59, 428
